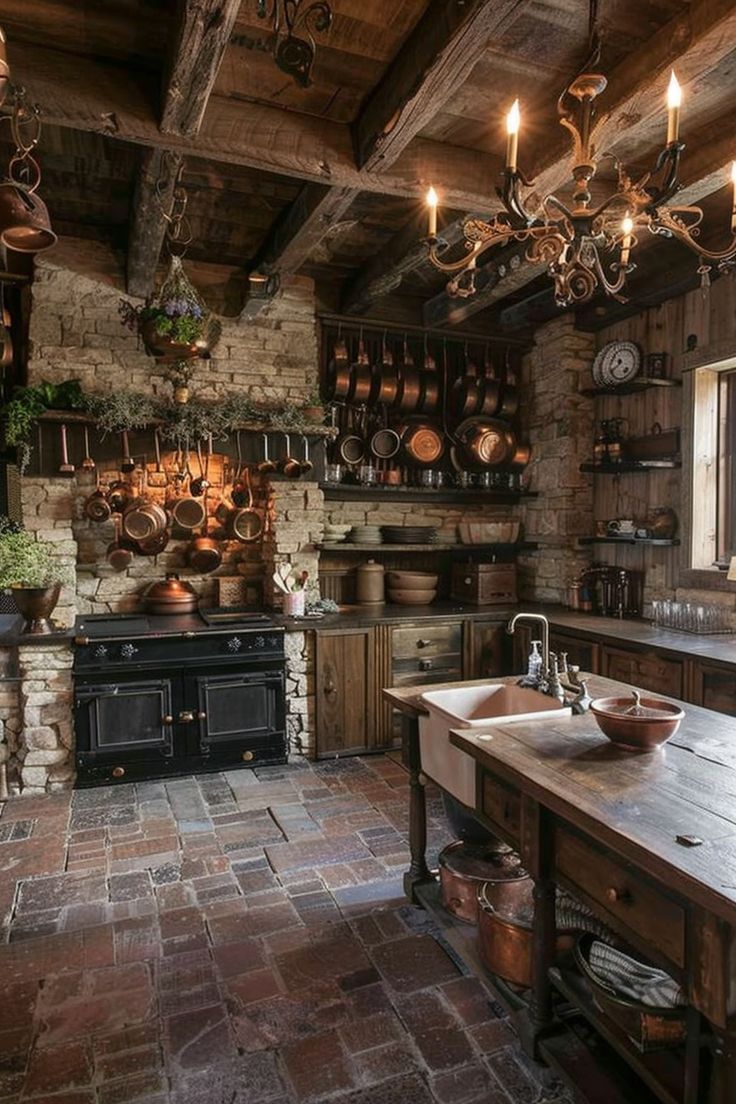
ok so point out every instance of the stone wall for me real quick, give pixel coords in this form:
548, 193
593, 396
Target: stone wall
558, 423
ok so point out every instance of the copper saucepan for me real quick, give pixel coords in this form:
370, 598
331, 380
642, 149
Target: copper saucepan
337, 383
246, 524
361, 377
430, 384
487, 441
423, 443
204, 553
388, 385
409, 396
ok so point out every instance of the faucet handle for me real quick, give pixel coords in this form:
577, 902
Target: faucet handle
573, 674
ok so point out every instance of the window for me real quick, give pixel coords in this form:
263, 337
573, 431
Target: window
726, 483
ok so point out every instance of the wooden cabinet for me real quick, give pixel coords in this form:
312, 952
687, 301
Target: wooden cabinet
346, 691
646, 669
487, 649
425, 653
581, 652
714, 687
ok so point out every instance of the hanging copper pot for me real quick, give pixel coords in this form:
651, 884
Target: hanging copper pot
490, 389
430, 385
509, 392
388, 377
361, 377
24, 218
337, 382
521, 457
487, 441
423, 443
409, 396
4, 67
467, 392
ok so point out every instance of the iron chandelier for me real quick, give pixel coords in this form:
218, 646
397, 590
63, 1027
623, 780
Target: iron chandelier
584, 247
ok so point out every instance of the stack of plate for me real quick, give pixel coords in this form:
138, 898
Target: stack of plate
409, 534
336, 534
365, 534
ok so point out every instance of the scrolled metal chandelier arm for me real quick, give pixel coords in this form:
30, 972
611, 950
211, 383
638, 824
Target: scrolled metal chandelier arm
571, 239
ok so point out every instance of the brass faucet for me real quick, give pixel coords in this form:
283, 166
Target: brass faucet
554, 681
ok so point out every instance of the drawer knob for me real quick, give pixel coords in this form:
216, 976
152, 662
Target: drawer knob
423, 643
622, 896
247, 756
167, 720
425, 664
118, 772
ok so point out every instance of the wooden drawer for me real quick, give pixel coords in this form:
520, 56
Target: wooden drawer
715, 688
625, 896
501, 803
412, 641
433, 668
645, 669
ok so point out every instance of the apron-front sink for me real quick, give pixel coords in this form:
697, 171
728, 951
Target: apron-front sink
477, 707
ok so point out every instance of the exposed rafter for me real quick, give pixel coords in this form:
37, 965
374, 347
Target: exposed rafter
439, 54
302, 226
148, 224
108, 100
205, 27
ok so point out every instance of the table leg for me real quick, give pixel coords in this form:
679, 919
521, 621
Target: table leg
418, 872
723, 1080
544, 939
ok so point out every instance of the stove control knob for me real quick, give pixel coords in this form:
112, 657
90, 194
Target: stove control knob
127, 651
273, 641
100, 651
234, 644
260, 642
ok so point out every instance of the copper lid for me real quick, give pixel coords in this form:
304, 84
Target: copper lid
171, 589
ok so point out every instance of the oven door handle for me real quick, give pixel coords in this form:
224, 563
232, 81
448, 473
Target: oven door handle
102, 692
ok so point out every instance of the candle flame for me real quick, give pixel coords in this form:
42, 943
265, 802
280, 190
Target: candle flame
674, 92
627, 226
513, 119
432, 198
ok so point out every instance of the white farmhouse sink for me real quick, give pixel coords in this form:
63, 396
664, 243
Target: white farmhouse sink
476, 707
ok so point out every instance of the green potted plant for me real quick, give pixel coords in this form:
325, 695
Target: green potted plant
29, 569
314, 411
174, 324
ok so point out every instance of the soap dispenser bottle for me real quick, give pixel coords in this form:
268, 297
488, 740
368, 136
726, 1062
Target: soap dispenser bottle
534, 672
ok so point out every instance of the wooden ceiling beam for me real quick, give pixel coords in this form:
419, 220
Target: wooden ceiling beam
438, 55
81, 94
203, 35
147, 220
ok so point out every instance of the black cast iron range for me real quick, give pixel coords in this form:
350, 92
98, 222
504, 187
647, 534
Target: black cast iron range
156, 697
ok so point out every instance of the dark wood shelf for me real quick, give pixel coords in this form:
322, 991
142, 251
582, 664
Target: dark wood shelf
349, 546
662, 1071
77, 417
634, 387
627, 467
347, 492
657, 542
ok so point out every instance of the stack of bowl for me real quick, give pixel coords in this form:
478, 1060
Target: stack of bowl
411, 588
365, 534
336, 534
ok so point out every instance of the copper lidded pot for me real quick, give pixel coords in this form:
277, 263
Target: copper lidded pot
466, 867
170, 596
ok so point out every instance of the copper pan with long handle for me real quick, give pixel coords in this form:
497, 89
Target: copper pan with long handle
337, 381
409, 397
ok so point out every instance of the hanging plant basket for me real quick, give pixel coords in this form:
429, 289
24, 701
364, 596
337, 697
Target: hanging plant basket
175, 324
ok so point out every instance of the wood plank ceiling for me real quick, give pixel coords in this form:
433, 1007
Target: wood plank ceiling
329, 180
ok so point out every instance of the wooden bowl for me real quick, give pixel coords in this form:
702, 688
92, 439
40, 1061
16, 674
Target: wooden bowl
654, 725
411, 597
412, 580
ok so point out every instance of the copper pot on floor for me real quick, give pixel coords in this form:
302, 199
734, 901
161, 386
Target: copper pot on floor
505, 935
466, 867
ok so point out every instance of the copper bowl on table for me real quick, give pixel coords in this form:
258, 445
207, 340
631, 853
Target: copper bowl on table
636, 723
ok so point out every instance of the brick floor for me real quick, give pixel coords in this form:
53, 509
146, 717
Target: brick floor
237, 938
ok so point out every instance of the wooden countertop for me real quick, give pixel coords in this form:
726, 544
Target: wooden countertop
636, 803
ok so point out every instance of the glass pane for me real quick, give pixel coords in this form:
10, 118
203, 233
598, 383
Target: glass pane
236, 708
130, 717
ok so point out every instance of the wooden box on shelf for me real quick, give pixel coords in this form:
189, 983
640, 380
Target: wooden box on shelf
484, 584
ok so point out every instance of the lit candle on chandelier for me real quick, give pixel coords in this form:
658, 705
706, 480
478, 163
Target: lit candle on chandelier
432, 201
674, 99
627, 227
513, 121
733, 207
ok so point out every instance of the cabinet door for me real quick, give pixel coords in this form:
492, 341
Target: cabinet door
715, 688
584, 654
344, 691
238, 714
488, 653
648, 670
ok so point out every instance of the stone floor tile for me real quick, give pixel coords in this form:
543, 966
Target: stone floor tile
414, 962
55, 1068
311, 853
316, 1066
199, 1039
471, 1084
247, 1079
130, 887
384, 1062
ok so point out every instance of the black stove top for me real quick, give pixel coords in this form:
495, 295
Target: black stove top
110, 626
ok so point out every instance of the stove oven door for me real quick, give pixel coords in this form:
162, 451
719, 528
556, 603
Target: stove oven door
123, 729
241, 716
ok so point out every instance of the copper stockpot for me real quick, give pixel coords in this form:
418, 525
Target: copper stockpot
505, 936
430, 385
338, 372
487, 441
411, 388
388, 378
361, 377
170, 596
465, 867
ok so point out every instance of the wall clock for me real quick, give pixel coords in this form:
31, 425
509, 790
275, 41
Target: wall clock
616, 363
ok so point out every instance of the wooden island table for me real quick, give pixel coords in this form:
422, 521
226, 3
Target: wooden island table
648, 842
